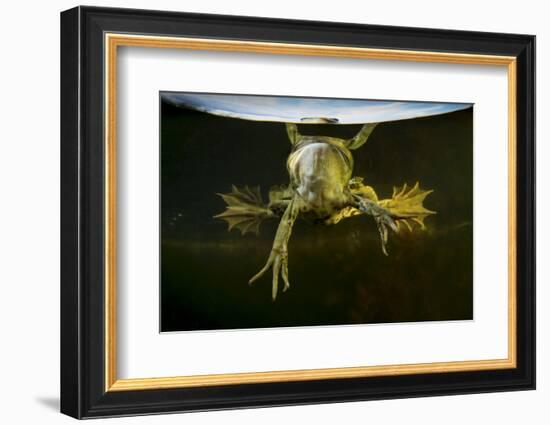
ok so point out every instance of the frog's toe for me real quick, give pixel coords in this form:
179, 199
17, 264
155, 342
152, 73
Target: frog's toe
260, 273
284, 273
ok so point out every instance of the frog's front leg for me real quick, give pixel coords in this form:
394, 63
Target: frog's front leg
278, 258
382, 217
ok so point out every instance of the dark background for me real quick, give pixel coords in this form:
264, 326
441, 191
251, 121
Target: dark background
338, 274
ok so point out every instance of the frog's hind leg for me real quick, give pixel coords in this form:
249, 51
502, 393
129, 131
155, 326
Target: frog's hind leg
245, 209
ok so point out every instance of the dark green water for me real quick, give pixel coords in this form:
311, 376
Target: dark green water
338, 274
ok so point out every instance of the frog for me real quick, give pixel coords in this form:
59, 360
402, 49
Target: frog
321, 186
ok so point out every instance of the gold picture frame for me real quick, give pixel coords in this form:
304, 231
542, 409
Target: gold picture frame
114, 41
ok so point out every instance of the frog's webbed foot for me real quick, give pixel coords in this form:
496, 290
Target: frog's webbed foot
245, 209
278, 257
407, 205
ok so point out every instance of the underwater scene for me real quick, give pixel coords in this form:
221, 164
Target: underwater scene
288, 211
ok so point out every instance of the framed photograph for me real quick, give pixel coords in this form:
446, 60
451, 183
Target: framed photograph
261, 212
